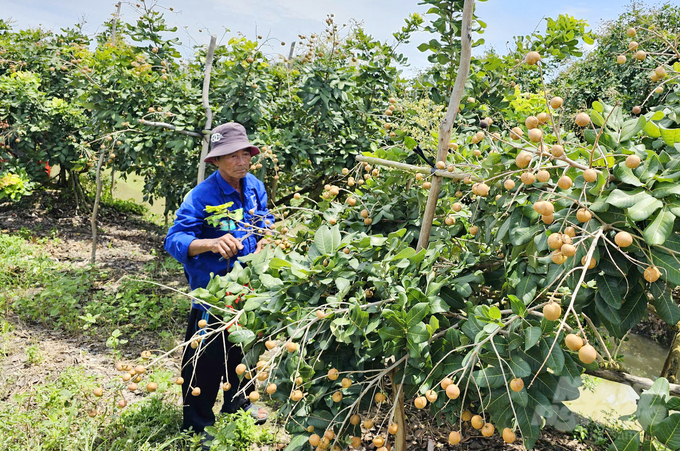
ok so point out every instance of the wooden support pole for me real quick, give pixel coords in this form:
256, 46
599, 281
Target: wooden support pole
290, 55
455, 175
206, 105
95, 207
447, 124
113, 43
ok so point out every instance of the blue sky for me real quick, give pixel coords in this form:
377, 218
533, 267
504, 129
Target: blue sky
285, 19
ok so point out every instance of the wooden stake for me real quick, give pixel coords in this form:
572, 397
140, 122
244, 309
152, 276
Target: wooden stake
113, 43
95, 207
206, 105
290, 55
447, 124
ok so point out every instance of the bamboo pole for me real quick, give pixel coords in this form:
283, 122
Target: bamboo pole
421, 169
206, 105
290, 55
95, 207
447, 124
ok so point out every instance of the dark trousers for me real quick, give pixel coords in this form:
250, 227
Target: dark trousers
211, 370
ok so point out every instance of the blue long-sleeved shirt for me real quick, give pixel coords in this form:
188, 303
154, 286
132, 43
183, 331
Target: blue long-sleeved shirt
191, 224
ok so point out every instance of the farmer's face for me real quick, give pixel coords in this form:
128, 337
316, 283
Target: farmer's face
235, 165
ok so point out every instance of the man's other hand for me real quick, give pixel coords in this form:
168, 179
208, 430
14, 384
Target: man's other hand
227, 246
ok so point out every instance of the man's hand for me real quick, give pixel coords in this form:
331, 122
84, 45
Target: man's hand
261, 244
226, 245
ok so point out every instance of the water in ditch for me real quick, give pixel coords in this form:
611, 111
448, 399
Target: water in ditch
608, 400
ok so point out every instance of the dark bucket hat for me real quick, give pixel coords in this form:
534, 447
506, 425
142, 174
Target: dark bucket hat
229, 138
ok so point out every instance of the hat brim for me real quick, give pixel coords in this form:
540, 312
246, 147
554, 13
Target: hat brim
229, 148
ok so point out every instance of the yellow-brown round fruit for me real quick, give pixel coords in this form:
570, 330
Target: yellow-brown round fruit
202, 323
543, 118
558, 258
356, 442
333, 374
152, 387
139, 369
474, 230
552, 311
509, 184
568, 250
556, 102
564, 182
573, 342
179, 381
531, 122
296, 395
637, 109
122, 403
652, 274
314, 440
532, 58
621, 59
632, 45
477, 422
337, 396
271, 389
270, 344
454, 438
508, 435
392, 428
523, 159
589, 175
591, 264
479, 135
291, 346
450, 220
543, 176
368, 221
378, 441
623, 239
457, 206
98, 392
570, 232
431, 395
466, 415
368, 424
427, 185
483, 189
527, 178
354, 419
240, 369
555, 241
254, 396
351, 201
632, 161
380, 398
226, 386
631, 32
583, 215
516, 133
582, 119
640, 55
346, 382
516, 384
445, 383
535, 135
557, 151
196, 391
420, 402
441, 165
488, 430
92, 413
452, 391
587, 354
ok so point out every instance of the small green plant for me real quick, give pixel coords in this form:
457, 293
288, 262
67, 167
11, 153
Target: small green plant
114, 341
15, 186
34, 355
237, 432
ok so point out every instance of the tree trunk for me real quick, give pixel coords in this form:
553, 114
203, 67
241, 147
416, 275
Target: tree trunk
95, 207
671, 368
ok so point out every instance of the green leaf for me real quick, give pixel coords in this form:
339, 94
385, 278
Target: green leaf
531, 337
625, 174
626, 199
327, 240
660, 229
519, 367
651, 408
668, 431
668, 264
670, 135
626, 441
608, 289
243, 336
664, 303
297, 443
490, 376
526, 289
417, 313
644, 208
418, 333
407, 252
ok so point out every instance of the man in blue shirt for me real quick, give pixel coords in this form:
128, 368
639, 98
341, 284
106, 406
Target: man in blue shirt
205, 249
